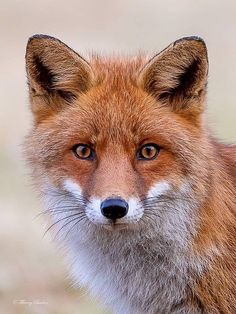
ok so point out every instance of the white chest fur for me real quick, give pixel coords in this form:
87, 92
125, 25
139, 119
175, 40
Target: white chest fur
135, 276
142, 271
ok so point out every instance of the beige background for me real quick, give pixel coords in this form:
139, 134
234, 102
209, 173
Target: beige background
31, 268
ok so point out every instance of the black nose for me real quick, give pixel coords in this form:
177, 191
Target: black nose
114, 208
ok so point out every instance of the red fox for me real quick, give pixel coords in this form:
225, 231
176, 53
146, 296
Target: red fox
139, 193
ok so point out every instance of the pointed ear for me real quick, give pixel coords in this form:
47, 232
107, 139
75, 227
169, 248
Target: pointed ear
56, 74
177, 76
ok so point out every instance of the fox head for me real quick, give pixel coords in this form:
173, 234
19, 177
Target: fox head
119, 143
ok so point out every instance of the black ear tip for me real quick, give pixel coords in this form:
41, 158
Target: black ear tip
191, 38
38, 41
40, 37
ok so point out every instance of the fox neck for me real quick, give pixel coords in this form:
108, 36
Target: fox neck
132, 263
217, 214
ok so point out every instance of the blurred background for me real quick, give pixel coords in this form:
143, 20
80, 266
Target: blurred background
33, 274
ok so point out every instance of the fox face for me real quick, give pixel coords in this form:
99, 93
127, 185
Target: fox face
119, 142
130, 177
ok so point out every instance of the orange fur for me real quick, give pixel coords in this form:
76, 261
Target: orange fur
116, 105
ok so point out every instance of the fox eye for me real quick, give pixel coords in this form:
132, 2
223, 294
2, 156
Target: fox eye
148, 152
83, 151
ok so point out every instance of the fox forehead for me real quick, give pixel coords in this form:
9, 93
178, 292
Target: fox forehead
113, 118
117, 69
115, 110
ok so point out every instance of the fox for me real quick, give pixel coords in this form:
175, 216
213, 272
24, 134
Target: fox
138, 191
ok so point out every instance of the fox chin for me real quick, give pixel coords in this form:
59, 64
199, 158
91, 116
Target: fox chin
138, 192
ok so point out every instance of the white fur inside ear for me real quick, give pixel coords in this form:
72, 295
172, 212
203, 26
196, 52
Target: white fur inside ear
72, 187
159, 189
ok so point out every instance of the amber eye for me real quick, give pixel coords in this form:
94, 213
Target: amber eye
83, 151
148, 152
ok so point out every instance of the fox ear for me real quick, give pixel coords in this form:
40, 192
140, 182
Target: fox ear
177, 76
56, 74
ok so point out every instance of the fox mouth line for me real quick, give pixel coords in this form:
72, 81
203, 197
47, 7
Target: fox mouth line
114, 226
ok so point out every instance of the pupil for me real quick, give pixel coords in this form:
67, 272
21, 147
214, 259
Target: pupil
148, 151
84, 151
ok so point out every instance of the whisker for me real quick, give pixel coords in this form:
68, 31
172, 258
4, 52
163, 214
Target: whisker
165, 198
152, 208
79, 219
151, 203
66, 203
75, 225
150, 218
55, 210
63, 193
51, 226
